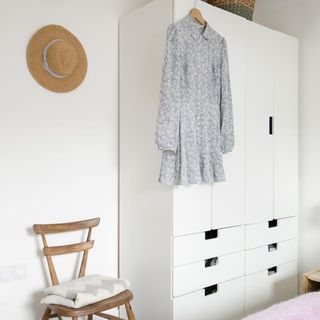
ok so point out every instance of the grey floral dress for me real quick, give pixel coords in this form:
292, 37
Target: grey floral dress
195, 121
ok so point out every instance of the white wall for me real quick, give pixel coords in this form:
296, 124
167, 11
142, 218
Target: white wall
58, 152
301, 19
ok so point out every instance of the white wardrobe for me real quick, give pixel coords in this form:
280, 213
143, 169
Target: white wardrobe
221, 251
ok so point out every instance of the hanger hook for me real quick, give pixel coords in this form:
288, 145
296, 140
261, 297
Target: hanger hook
195, 3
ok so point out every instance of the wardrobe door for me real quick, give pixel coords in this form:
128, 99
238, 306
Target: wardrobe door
228, 198
286, 127
191, 209
259, 138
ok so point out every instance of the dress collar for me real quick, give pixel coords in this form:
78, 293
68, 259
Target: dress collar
207, 33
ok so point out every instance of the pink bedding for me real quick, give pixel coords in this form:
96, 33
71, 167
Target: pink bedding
305, 307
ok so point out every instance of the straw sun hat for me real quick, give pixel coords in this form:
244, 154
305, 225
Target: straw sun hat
56, 59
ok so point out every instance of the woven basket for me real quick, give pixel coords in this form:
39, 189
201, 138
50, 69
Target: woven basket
242, 8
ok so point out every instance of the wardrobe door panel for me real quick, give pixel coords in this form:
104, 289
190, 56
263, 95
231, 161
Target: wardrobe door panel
286, 127
228, 202
259, 140
191, 209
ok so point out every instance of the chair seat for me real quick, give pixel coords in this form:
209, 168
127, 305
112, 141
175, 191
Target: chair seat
106, 304
83, 291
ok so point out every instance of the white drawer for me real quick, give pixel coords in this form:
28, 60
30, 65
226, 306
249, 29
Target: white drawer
264, 233
195, 276
265, 288
269, 256
195, 247
224, 304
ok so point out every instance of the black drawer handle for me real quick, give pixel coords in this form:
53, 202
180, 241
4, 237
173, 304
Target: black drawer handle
211, 234
272, 247
211, 262
273, 223
210, 290
272, 271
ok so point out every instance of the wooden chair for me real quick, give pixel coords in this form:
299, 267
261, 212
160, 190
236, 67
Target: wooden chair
58, 311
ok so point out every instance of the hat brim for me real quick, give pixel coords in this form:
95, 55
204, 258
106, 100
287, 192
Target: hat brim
35, 60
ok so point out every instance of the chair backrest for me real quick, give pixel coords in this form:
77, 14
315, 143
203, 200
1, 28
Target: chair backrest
50, 251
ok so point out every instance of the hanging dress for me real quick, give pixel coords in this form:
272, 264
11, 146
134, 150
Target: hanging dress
195, 120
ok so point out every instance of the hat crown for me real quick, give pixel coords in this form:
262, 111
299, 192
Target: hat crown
61, 57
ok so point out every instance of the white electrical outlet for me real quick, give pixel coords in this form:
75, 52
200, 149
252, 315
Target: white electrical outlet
13, 272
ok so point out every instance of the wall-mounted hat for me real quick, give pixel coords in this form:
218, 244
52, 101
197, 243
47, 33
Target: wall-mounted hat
56, 59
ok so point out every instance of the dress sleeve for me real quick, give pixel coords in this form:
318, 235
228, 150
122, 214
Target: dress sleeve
226, 114
167, 129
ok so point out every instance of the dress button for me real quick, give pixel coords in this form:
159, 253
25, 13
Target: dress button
198, 118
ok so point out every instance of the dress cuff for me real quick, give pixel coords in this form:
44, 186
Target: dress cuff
226, 148
167, 148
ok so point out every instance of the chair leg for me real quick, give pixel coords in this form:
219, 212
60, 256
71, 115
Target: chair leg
90, 317
46, 315
129, 311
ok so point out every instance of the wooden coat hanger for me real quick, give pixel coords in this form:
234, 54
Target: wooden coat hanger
196, 15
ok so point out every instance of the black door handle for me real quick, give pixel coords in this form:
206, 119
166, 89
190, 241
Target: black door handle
271, 125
